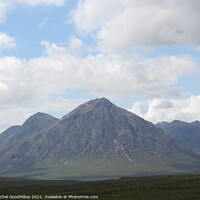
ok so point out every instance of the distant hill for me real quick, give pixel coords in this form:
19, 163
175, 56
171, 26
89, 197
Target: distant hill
15, 136
97, 139
196, 122
34, 123
188, 133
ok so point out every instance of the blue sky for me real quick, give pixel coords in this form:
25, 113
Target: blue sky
30, 26
143, 56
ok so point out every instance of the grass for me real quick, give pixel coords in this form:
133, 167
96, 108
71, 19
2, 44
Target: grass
176, 187
110, 168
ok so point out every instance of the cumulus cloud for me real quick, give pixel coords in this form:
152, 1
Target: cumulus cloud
75, 46
60, 69
159, 109
14, 81
4, 7
133, 75
117, 24
91, 14
6, 41
31, 84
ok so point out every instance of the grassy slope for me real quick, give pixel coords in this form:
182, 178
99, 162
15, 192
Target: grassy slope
82, 169
142, 188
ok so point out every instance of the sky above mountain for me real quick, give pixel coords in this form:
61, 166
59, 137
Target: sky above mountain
142, 55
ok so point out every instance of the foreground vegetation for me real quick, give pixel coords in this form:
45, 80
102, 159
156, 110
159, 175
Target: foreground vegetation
179, 187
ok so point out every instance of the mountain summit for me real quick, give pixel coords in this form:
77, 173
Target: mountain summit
98, 139
34, 123
96, 104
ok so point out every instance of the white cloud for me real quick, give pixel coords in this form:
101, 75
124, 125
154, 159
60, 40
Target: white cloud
158, 110
14, 81
6, 41
118, 24
31, 84
75, 46
112, 76
91, 14
4, 7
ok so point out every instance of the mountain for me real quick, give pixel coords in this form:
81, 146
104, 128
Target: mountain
34, 123
97, 139
188, 133
196, 122
161, 124
15, 135
9, 131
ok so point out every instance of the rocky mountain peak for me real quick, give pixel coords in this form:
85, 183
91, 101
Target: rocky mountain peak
97, 138
177, 122
38, 118
34, 123
96, 105
38, 122
101, 101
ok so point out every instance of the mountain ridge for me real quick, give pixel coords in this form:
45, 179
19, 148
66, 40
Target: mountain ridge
188, 133
97, 138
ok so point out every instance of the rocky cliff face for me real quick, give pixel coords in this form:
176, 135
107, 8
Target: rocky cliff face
98, 138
